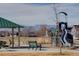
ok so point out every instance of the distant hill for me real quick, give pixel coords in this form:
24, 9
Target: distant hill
37, 27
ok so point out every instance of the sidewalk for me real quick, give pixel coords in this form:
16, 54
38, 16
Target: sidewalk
43, 50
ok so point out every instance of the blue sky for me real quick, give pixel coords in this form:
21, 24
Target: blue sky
39, 13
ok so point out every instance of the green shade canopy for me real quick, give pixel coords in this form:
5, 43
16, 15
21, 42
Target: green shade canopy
4, 23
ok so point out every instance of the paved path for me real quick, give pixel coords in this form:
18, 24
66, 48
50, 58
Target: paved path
43, 50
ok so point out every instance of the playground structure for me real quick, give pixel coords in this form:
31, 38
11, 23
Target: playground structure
61, 34
66, 37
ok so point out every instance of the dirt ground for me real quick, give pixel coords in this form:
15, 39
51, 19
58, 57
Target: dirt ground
45, 41
38, 54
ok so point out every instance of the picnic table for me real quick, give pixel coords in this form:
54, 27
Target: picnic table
34, 44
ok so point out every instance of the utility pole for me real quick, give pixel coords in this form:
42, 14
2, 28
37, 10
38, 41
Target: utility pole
57, 25
57, 40
56, 15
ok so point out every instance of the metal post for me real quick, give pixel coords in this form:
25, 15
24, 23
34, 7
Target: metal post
57, 26
60, 47
12, 37
19, 37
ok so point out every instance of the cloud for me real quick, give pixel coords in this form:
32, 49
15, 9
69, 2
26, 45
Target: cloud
27, 13
39, 13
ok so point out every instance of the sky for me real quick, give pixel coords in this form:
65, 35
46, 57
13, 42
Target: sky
29, 14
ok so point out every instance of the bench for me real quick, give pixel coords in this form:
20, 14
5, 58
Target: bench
3, 44
34, 44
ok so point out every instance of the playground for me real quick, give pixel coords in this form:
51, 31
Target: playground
54, 41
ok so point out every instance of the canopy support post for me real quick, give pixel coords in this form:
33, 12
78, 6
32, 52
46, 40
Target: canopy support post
12, 37
18, 36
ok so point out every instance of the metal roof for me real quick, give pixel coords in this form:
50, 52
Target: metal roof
4, 23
